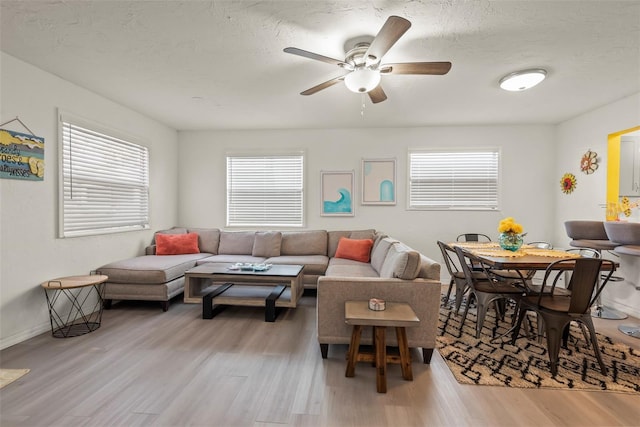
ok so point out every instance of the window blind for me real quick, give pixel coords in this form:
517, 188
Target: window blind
105, 183
265, 190
454, 180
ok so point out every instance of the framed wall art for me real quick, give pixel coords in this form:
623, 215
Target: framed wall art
21, 154
337, 193
378, 181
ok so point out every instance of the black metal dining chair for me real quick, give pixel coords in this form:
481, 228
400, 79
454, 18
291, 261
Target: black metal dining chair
557, 311
456, 275
473, 237
540, 245
486, 289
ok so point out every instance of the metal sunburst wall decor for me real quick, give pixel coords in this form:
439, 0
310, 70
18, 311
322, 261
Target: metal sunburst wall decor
589, 162
568, 183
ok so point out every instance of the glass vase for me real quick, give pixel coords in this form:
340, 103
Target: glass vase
510, 241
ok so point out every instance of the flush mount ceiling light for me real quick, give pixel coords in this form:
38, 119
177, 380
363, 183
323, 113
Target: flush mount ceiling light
522, 80
362, 80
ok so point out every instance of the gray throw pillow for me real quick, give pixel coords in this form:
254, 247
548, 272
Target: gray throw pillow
208, 239
401, 262
267, 244
236, 242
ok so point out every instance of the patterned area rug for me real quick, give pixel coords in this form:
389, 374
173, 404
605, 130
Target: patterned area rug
7, 376
526, 365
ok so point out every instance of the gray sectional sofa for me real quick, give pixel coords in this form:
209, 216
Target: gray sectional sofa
395, 272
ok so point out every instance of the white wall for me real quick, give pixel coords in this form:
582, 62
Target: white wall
528, 170
574, 138
30, 252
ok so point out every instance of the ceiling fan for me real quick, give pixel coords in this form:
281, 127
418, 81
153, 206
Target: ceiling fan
363, 62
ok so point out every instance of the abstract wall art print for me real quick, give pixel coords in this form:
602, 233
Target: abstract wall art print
378, 181
337, 193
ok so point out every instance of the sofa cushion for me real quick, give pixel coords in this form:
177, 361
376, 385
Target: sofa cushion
340, 267
313, 264
355, 249
401, 262
208, 239
334, 238
236, 242
379, 252
312, 242
151, 269
267, 243
177, 244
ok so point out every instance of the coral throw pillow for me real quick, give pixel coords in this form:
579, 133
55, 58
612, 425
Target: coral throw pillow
355, 249
177, 244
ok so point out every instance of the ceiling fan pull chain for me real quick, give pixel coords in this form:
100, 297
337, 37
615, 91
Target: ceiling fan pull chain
363, 106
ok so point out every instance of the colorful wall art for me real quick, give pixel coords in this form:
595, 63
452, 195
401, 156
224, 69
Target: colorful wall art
568, 183
337, 193
21, 156
378, 182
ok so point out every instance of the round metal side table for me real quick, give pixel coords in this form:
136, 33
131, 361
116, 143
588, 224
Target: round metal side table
75, 304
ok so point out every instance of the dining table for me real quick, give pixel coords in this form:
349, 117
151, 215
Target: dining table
527, 257
526, 261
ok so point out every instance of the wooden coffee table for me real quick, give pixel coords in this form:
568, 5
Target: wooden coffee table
397, 315
278, 287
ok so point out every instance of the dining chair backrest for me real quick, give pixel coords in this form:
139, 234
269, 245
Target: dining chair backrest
466, 260
473, 237
585, 252
584, 279
541, 245
447, 254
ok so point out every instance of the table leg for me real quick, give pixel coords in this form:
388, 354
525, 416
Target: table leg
381, 359
354, 346
207, 300
270, 303
405, 357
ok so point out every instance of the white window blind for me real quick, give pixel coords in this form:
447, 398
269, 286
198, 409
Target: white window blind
265, 190
105, 182
454, 180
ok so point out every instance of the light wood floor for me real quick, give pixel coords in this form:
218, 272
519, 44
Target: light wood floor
146, 367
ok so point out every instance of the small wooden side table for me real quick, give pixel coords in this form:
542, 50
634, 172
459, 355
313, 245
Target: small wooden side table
397, 315
75, 304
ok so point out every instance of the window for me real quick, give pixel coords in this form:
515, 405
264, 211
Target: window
265, 190
104, 181
462, 179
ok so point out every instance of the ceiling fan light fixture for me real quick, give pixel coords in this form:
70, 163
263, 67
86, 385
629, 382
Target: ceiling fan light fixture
362, 80
522, 80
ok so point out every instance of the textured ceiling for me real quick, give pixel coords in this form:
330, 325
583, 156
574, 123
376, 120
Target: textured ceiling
220, 64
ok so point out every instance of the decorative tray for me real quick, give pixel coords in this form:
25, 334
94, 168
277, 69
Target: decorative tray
247, 266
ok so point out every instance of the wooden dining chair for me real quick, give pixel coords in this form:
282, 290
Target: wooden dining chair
559, 310
486, 289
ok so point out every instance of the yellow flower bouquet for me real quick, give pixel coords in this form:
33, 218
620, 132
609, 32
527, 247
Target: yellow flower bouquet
511, 237
509, 225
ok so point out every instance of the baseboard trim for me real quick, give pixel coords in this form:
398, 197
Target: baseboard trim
24, 335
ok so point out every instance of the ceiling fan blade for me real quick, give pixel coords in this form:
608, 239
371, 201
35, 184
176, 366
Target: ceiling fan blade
390, 32
321, 86
437, 68
311, 55
377, 95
